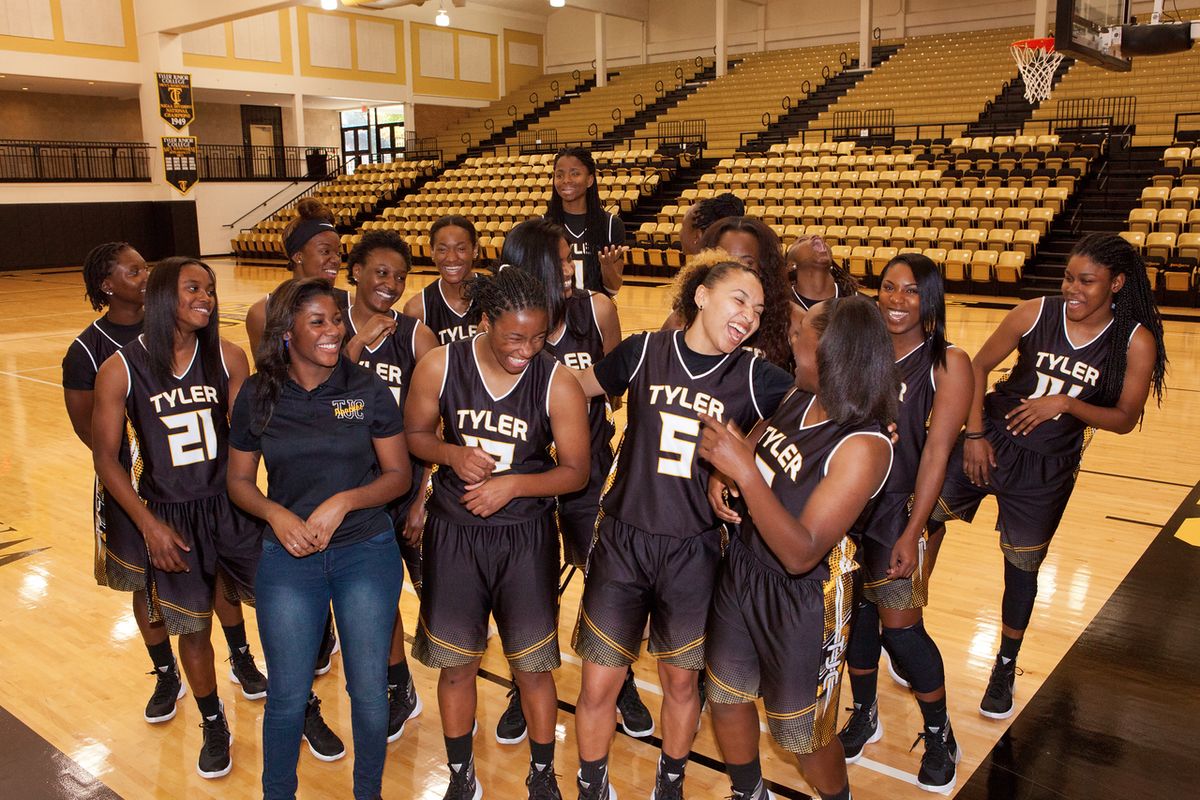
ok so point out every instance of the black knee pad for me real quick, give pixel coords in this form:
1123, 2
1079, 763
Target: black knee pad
863, 650
844, 794
917, 655
1020, 592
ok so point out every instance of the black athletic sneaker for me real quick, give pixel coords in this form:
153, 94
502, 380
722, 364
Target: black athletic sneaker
542, 783
511, 728
168, 690
937, 773
667, 786
329, 646
215, 760
635, 717
463, 784
600, 790
863, 728
997, 700
403, 705
322, 742
760, 793
244, 672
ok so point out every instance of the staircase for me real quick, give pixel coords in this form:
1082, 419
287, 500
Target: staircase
1101, 204
668, 192
1007, 112
660, 106
530, 119
818, 101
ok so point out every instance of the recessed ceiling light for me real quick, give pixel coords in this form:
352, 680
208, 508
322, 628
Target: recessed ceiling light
557, 3
91, 83
24, 88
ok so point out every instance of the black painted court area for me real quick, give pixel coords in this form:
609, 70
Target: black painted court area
33, 769
1120, 714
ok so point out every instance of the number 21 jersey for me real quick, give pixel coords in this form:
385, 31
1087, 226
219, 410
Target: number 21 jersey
178, 434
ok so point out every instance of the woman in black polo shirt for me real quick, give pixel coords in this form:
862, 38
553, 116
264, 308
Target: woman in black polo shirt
332, 437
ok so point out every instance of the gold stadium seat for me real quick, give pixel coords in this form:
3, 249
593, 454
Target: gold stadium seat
1142, 220
1170, 220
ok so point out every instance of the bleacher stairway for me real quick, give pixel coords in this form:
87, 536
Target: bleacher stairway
821, 98
649, 113
1008, 111
1101, 204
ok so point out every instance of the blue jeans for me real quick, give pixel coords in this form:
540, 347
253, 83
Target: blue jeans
292, 599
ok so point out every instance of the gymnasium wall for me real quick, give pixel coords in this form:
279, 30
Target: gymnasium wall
37, 115
428, 120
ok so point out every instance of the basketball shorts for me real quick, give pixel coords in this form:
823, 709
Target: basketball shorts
222, 539
877, 538
577, 512
471, 571
1032, 492
120, 558
632, 574
782, 639
411, 553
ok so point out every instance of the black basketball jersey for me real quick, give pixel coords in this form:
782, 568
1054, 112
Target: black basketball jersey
807, 302
793, 458
588, 274
912, 416
448, 324
394, 359
513, 428
92, 348
1048, 362
658, 483
580, 352
178, 434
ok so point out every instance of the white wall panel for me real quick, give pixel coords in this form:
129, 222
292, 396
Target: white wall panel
376, 46
257, 38
474, 58
329, 41
30, 18
437, 53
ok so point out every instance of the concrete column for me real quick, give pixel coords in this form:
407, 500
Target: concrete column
902, 20
865, 25
158, 52
298, 135
601, 50
762, 28
722, 38
645, 56
1041, 18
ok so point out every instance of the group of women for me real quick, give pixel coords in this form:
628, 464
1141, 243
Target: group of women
774, 508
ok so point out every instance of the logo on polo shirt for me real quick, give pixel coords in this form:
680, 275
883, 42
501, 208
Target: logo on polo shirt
348, 409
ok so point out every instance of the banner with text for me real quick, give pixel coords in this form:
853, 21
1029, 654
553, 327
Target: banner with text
179, 161
175, 99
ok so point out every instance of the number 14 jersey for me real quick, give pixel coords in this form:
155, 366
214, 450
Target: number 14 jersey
659, 483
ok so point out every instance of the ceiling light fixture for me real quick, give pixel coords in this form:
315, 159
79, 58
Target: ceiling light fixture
329, 5
442, 20
557, 3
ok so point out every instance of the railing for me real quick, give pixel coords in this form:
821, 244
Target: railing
1122, 108
245, 162
867, 124
691, 143
29, 161
1187, 131
537, 140
1096, 125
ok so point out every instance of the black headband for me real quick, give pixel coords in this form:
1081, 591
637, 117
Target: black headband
307, 229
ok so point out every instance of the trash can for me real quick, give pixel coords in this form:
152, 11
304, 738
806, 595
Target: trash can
315, 161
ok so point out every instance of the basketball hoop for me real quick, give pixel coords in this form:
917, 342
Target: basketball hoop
1037, 60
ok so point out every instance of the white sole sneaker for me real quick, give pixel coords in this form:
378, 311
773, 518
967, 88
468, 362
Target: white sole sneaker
245, 694
221, 773
875, 737
1000, 714
416, 712
320, 757
949, 787
174, 709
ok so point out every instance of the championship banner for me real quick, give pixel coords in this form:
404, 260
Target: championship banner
175, 99
179, 161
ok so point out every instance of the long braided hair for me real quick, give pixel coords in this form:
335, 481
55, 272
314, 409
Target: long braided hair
271, 358
772, 335
507, 290
1132, 305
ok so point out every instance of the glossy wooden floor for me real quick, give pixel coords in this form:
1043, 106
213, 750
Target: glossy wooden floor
73, 663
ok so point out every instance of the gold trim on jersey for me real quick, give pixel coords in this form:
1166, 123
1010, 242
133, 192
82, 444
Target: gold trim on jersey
693, 644
727, 689
462, 651
533, 647
599, 634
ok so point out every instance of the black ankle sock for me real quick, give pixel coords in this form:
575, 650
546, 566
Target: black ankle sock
591, 772
1009, 647
541, 755
398, 674
459, 749
863, 687
161, 655
672, 766
210, 704
745, 777
933, 712
235, 637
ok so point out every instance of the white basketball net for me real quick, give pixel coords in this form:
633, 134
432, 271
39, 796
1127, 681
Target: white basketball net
1037, 65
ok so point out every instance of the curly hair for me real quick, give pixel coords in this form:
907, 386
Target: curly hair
709, 271
376, 240
772, 335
